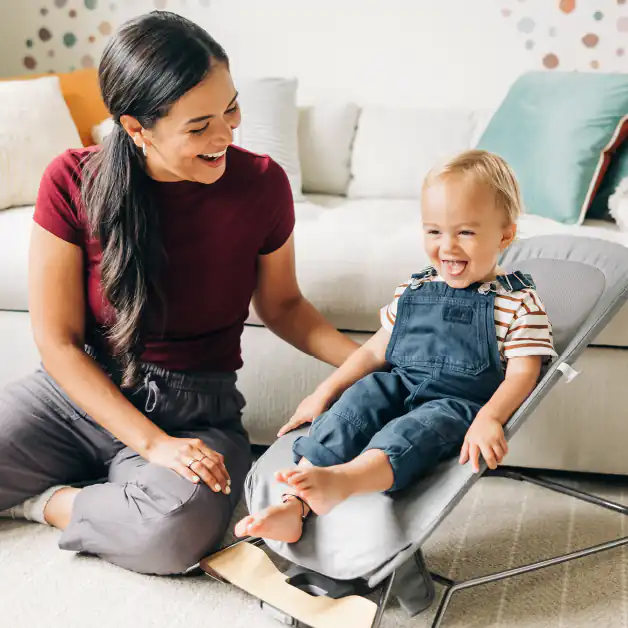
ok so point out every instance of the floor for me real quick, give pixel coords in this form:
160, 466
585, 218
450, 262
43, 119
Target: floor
499, 524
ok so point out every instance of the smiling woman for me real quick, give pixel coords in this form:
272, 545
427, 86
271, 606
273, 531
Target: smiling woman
144, 258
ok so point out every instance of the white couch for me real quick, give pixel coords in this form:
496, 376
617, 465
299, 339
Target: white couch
352, 250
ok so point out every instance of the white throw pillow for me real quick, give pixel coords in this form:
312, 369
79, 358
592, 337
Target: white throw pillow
270, 123
618, 205
326, 134
102, 129
35, 127
395, 148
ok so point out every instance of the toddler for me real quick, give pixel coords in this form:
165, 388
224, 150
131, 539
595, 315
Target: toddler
460, 348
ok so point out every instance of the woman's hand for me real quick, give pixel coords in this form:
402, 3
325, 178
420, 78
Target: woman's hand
485, 436
193, 460
308, 410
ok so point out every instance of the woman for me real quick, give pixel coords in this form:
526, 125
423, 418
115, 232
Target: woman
144, 258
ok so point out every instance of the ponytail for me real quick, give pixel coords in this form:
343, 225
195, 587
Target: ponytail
121, 217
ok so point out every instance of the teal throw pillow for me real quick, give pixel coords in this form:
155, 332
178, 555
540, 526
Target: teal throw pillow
558, 130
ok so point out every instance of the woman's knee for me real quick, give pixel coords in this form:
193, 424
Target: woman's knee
171, 543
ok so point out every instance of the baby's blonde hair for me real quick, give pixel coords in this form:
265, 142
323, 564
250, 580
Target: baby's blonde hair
486, 169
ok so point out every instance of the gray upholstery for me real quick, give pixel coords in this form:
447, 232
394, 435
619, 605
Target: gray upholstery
583, 283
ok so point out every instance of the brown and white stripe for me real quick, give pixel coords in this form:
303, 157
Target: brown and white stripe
521, 323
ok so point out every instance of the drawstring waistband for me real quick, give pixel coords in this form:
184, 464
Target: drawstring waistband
153, 393
157, 378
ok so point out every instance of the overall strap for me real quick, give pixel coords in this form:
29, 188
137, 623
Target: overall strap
421, 277
516, 280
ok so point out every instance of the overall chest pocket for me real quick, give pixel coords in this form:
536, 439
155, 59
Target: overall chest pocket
442, 332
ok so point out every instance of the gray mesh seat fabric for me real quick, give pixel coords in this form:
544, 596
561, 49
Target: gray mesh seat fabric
583, 283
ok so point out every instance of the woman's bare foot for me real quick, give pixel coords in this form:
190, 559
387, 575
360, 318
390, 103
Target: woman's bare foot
322, 488
279, 523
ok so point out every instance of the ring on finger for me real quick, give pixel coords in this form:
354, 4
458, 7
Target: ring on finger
192, 461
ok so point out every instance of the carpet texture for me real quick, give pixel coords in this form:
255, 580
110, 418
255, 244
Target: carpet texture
499, 524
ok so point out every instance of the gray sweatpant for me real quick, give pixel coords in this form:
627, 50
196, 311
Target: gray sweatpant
144, 517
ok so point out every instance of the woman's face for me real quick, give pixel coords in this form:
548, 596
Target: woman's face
189, 143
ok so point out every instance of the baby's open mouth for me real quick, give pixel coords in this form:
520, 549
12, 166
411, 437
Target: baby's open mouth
454, 267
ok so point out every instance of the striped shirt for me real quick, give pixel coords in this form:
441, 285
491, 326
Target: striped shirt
521, 323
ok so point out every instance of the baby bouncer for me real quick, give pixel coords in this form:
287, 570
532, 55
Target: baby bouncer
370, 545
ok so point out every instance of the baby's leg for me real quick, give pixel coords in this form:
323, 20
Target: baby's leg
402, 451
418, 441
341, 434
330, 467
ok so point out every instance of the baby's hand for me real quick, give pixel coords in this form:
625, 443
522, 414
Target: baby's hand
485, 436
308, 410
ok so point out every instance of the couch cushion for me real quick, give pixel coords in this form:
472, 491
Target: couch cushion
15, 231
395, 148
326, 134
35, 126
270, 119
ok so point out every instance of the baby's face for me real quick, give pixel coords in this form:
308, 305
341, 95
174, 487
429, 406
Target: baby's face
463, 229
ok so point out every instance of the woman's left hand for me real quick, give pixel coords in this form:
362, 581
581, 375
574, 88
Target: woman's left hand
486, 437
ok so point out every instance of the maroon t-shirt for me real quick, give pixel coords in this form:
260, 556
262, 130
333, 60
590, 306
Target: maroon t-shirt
212, 236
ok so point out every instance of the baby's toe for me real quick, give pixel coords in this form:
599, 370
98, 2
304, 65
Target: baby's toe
242, 526
254, 525
283, 475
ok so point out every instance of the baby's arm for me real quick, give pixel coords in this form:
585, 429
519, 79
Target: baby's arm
370, 357
486, 435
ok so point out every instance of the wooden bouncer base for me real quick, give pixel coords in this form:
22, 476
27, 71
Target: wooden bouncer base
249, 568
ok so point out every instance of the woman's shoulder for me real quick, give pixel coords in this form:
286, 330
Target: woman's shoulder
59, 207
254, 167
68, 166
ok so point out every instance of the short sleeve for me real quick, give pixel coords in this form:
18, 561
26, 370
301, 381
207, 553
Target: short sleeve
56, 209
278, 196
388, 314
530, 332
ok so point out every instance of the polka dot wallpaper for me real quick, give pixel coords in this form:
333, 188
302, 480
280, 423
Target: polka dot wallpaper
69, 34
61, 35
572, 34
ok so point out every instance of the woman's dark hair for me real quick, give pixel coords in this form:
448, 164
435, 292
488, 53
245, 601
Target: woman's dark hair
148, 64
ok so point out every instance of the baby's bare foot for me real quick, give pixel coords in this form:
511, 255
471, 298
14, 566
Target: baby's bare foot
322, 488
279, 523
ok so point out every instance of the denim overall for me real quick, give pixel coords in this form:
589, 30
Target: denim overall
445, 366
